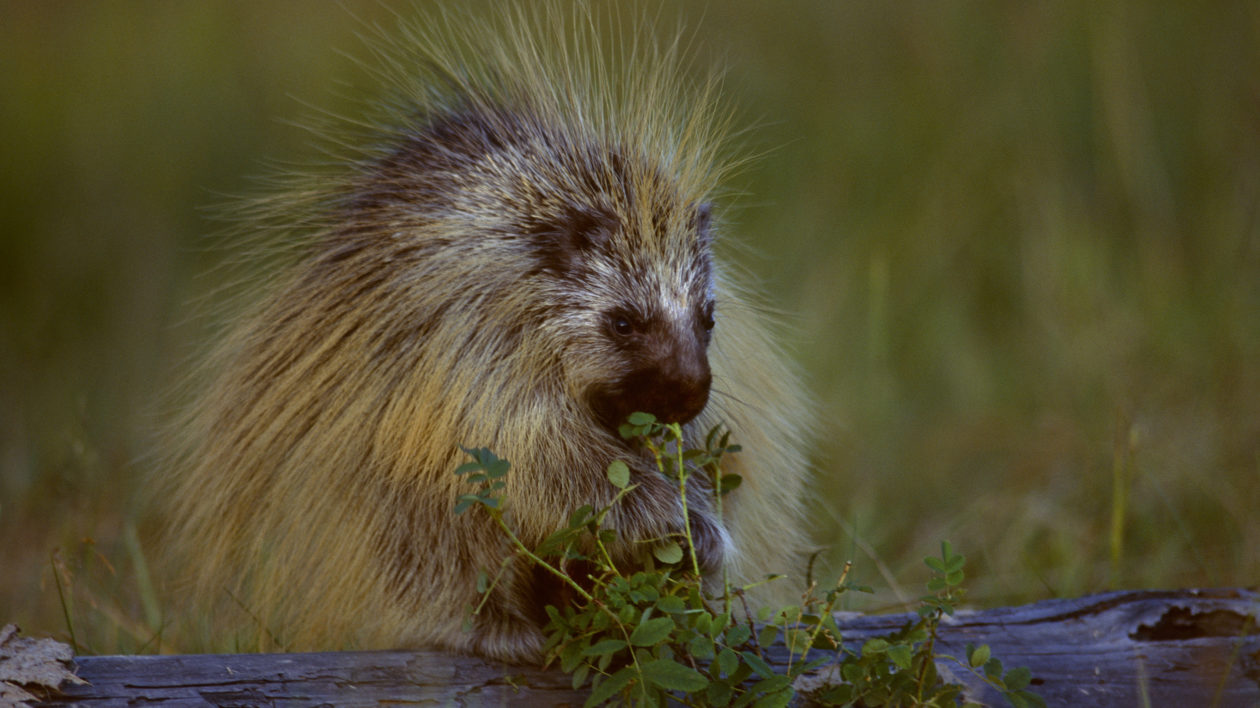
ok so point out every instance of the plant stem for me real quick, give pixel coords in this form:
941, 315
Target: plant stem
599, 520
676, 430
65, 605
832, 598
523, 550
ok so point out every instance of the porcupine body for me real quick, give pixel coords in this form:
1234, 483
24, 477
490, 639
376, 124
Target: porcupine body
519, 256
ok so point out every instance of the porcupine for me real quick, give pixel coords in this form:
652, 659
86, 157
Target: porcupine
518, 254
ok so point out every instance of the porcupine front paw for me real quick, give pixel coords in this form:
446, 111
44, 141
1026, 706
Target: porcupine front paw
514, 643
652, 515
711, 540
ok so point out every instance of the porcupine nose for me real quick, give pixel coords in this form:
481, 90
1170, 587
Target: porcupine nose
675, 390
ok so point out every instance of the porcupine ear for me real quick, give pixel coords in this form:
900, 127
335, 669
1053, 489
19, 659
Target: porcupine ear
564, 241
702, 222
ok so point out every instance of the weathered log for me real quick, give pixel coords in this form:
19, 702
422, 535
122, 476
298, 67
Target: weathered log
1174, 648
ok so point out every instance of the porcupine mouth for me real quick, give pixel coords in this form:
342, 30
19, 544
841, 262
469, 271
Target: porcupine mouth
670, 401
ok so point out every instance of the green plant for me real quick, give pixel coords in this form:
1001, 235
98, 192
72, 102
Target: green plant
652, 635
901, 669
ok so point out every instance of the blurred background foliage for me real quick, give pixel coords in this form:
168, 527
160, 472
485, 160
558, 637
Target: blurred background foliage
1018, 244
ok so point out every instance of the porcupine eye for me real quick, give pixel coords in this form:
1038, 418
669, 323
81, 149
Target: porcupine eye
622, 324
706, 316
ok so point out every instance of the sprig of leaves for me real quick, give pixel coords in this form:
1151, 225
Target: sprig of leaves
901, 669
653, 636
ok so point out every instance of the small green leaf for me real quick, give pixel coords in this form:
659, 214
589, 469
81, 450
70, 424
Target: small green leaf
808, 668
797, 640
775, 695
853, 672
841, 695
619, 474
607, 646
874, 646
727, 661
738, 634
730, 482
1014, 700
979, 656
1017, 678
714, 432
1029, 699
570, 656
672, 604
827, 640
652, 632
668, 552
610, 686
641, 418
673, 676
758, 664
718, 693
742, 673
581, 516
464, 501
627, 614
900, 655
700, 647
767, 634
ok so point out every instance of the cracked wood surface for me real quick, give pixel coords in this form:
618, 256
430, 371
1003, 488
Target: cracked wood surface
1160, 648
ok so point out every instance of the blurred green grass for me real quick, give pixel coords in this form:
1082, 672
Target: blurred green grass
1019, 245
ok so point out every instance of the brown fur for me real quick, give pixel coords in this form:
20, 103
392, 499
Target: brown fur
456, 289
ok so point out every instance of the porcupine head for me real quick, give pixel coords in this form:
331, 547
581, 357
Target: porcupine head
517, 253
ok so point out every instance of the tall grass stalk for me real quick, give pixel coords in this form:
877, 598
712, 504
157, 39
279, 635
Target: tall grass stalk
1121, 481
63, 596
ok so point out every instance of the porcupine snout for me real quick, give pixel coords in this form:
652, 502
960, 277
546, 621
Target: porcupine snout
668, 375
676, 389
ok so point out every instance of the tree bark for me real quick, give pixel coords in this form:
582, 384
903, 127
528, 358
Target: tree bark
1159, 648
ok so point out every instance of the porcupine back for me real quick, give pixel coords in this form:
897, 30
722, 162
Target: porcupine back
520, 180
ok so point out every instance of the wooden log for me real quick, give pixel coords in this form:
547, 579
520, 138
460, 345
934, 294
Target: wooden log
1160, 648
